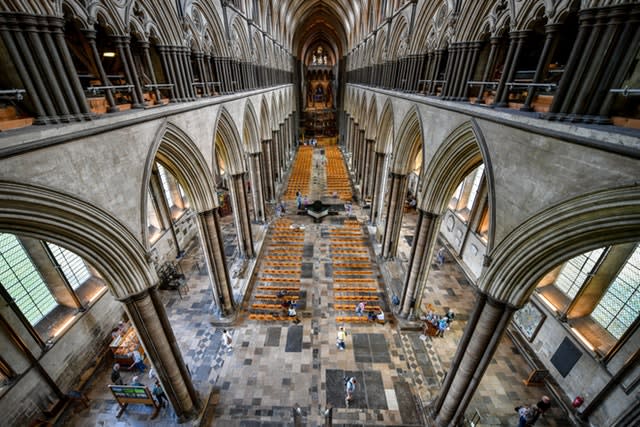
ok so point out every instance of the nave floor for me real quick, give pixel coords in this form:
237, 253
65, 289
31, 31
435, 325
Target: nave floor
278, 366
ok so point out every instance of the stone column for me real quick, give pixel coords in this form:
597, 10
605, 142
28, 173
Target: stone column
241, 215
268, 169
488, 69
461, 91
605, 60
371, 161
454, 63
435, 71
550, 42
503, 97
216, 262
144, 45
66, 80
119, 43
134, 72
569, 79
275, 153
257, 183
425, 236
366, 170
186, 59
72, 75
41, 62
377, 190
176, 73
168, 71
484, 330
396, 195
22, 69
148, 315
600, 107
362, 155
91, 39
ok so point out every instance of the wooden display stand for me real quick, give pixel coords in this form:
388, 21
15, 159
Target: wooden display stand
126, 394
122, 346
536, 377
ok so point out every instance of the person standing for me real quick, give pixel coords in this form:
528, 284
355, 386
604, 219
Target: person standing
227, 339
158, 393
342, 335
440, 256
115, 375
138, 361
350, 389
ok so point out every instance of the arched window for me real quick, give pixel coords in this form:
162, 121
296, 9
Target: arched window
620, 305
574, 273
23, 282
72, 266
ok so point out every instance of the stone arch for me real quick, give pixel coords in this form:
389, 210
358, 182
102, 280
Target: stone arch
461, 152
372, 119
228, 143
81, 226
265, 131
555, 235
250, 135
179, 154
385, 130
410, 142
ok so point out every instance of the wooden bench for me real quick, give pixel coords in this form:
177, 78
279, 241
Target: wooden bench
356, 289
278, 288
356, 297
355, 319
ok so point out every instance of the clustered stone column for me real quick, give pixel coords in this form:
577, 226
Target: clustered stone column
425, 236
257, 189
368, 167
600, 59
176, 61
517, 41
241, 213
550, 43
488, 69
378, 179
267, 169
485, 328
395, 206
275, 153
39, 53
216, 261
148, 315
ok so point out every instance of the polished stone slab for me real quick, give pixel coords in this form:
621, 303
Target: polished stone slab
294, 339
406, 402
273, 336
306, 272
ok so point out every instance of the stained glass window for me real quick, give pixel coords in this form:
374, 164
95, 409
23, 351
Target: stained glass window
576, 271
72, 266
22, 280
620, 305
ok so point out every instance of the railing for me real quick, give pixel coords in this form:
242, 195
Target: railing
491, 84
158, 86
117, 88
548, 86
626, 91
12, 94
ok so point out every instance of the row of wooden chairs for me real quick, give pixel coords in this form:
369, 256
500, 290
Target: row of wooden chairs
278, 288
300, 173
279, 279
356, 289
280, 272
355, 319
285, 264
356, 297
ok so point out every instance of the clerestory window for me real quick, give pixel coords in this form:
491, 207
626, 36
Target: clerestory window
23, 282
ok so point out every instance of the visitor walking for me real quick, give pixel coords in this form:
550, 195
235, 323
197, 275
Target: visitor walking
227, 339
350, 389
342, 335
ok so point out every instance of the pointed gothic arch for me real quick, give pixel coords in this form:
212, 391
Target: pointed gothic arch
461, 152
